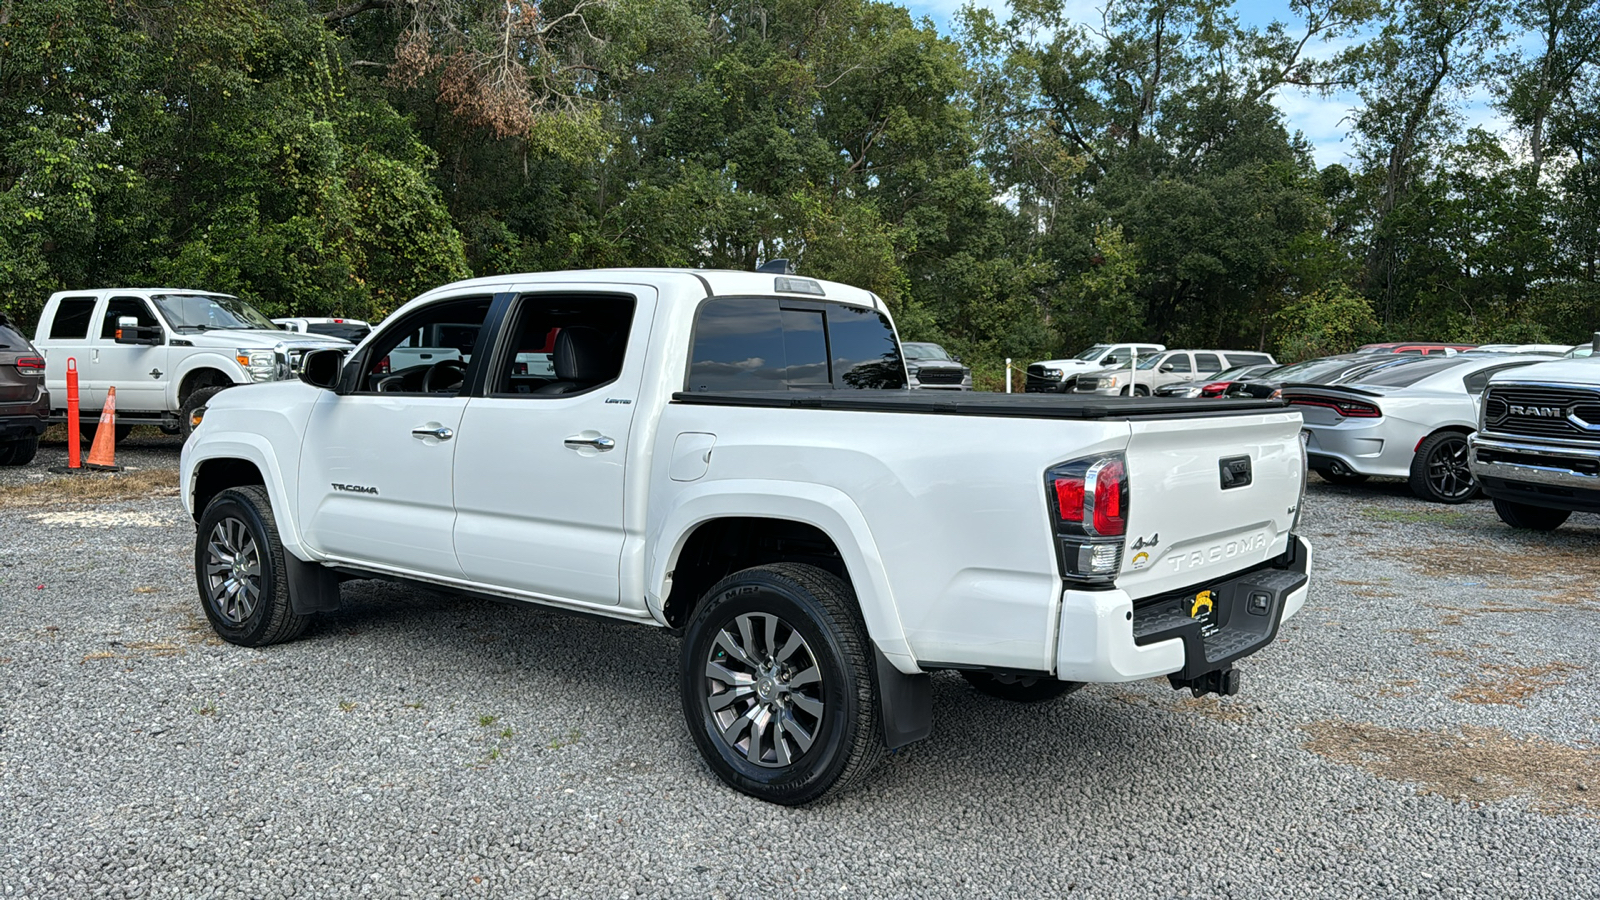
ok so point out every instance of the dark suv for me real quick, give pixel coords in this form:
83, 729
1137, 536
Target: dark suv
24, 404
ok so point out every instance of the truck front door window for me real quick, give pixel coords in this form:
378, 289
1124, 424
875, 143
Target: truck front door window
428, 352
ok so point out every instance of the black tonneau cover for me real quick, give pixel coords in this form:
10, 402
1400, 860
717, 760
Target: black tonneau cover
976, 403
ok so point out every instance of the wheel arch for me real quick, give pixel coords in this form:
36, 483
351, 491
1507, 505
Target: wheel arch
727, 526
203, 370
235, 460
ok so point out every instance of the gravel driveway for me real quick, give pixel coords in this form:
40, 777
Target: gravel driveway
1424, 728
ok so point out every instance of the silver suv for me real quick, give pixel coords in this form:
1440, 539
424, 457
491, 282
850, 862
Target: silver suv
1167, 367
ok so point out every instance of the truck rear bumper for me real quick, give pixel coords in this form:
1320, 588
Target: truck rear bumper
1104, 638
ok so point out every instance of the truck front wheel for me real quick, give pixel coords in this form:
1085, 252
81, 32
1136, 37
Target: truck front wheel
777, 684
193, 403
1020, 688
239, 566
1533, 518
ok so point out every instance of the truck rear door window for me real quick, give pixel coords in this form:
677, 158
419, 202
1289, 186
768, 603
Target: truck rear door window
564, 344
72, 318
766, 344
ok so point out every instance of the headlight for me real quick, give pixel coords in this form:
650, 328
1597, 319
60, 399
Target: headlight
260, 364
913, 370
1053, 374
1106, 381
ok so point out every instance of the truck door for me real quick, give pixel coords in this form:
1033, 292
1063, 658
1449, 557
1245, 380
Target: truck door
138, 371
64, 336
541, 460
376, 471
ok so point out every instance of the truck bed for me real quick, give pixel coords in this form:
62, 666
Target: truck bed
965, 403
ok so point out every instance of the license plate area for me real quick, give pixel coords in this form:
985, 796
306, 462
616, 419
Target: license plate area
1219, 622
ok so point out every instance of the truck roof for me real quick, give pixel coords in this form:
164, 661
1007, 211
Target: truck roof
145, 290
709, 282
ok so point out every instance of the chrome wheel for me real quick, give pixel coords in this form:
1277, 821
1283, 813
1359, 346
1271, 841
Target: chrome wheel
1448, 473
764, 689
233, 571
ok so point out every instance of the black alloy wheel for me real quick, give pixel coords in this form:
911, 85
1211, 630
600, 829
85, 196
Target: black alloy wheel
1439, 471
777, 684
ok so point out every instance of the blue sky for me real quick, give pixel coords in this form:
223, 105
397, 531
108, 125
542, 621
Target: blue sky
1323, 120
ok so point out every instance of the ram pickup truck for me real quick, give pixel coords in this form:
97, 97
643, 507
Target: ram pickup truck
1537, 449
735, 455
165, 351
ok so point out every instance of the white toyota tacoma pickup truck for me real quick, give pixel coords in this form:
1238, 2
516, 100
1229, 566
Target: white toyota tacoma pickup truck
166, 351
735, 455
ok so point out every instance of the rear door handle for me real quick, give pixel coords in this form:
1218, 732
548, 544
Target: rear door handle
599, 443
441, 432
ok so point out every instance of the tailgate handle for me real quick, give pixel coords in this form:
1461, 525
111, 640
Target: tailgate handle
1235, 471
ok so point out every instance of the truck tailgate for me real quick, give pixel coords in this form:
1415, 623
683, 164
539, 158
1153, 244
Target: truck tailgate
1208, 497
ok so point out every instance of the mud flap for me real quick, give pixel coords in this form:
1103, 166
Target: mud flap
906, 702
312, 588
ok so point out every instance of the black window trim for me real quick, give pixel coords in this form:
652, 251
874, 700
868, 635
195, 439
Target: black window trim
150, 309
504, 339
472, 381
782, 300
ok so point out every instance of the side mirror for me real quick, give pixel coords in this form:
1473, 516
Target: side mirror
1112, 361
955, 358
320, 368
1167, 367
129, 331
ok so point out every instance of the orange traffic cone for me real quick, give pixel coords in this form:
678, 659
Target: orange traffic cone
103, 454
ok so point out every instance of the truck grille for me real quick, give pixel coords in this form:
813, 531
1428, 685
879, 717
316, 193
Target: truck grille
1540, 411
1037, 380
939, 376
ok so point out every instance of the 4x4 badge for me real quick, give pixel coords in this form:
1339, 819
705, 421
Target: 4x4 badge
1142, 543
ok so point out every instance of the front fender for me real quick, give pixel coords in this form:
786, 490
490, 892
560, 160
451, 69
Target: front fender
203, 359
822, 507
257, 450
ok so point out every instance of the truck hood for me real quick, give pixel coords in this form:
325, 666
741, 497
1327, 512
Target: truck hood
1584, 371
257, 337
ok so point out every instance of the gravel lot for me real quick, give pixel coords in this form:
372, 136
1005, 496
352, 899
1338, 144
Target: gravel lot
1424, 728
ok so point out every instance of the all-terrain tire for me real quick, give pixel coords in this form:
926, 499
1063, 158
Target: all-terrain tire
197, 398
782, 648
1020, 688
240, 570
1533, 518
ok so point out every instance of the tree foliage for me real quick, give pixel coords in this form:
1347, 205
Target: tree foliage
1032, 184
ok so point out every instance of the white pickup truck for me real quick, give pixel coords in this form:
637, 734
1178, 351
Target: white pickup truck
165, 351
736, 455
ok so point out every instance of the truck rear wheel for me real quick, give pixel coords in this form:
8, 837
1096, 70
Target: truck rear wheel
1533, 518
777, 684
240, 569
1020, 688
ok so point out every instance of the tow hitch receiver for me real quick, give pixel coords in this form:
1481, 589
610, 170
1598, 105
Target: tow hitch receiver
1222, 682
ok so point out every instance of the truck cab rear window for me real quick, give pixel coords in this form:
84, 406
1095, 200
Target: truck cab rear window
72, 318
766, 344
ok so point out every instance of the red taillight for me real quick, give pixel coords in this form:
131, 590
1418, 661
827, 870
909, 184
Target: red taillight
1350, 409
1215, 389
1069, 497
1110, 482
30, 365
382, 368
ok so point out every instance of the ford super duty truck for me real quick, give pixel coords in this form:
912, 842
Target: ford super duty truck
736, 456
166, 352
1537, 449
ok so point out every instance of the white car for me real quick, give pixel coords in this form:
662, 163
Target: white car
1148, 374
1404, 421
1059, 376
352, 330
736, 455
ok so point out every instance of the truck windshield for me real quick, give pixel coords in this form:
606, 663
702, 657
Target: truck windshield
916, 350
203, 312
1093, 353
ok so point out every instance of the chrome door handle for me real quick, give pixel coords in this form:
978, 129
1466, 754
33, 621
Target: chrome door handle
442, 433
599, 443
